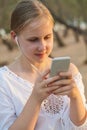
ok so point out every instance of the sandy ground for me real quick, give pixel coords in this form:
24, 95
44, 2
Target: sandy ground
76, 51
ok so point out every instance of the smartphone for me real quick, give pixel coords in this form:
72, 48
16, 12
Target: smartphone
59, 64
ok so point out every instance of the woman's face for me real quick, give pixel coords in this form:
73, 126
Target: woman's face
36, 41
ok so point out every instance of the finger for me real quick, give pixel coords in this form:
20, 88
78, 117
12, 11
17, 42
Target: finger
66, 74
61, 82
63, 93
51, 89
43, 75
50, 80
62, 89
45, 72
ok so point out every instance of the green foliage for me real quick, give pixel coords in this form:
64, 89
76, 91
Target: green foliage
66, 9
6, 7
70, 9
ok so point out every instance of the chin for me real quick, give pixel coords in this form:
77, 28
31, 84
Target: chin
40, 60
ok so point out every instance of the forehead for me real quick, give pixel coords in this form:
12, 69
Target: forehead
38, 27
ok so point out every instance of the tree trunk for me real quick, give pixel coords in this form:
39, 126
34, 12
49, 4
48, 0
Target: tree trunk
85, 40
59, 41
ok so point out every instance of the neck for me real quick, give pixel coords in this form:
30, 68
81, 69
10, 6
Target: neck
34, 67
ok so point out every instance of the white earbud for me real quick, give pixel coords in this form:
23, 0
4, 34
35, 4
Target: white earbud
16, 39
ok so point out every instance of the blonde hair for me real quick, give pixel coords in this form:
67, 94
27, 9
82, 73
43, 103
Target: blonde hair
27, 11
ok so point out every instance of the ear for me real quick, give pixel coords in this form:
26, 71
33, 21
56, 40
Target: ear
13, 35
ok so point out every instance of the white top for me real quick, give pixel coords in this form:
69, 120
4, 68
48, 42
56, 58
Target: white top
54, 112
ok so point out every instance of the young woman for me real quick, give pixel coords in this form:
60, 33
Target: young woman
29, 98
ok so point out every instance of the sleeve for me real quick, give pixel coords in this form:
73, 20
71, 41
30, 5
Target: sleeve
80, 85
7, 111
68, 124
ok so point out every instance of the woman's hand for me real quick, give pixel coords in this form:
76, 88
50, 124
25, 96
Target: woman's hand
43, 88
66, 85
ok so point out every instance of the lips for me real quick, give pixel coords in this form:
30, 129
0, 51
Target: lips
40, 54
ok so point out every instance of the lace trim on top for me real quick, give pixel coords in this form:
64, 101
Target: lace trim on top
53, 104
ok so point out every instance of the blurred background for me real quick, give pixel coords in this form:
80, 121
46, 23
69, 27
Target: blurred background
70, 32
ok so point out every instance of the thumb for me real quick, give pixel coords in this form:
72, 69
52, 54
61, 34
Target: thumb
45, 74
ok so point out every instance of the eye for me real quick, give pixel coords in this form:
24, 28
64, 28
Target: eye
33, 39
47, 37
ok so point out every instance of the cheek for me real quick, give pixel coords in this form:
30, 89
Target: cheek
28, 49
50, 48
30, 46
50, 45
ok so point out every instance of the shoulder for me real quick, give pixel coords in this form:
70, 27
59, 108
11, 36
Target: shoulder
73, 69
4, 75
3, 71
3, 80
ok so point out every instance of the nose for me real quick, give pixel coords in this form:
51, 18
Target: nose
42, 45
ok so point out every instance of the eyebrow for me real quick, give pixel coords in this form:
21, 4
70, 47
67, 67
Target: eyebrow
40, 36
